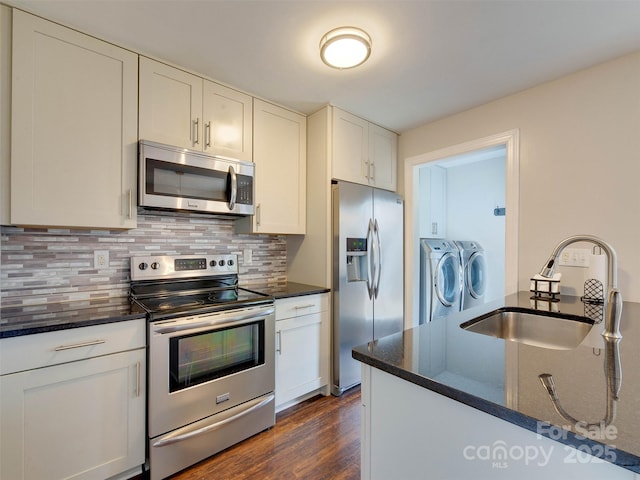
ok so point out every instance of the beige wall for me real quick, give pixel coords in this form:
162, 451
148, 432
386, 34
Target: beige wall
579, 161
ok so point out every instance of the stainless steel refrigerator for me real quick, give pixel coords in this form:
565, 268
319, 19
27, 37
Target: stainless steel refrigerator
367, 273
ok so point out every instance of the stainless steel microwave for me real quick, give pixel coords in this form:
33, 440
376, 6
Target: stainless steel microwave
172, 178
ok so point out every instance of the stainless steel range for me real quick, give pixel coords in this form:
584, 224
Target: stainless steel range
211, 357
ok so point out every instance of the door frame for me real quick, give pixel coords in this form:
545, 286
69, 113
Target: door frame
511, 140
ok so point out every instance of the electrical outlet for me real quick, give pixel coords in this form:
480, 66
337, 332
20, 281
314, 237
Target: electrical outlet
247, 256
575, 257
101, 259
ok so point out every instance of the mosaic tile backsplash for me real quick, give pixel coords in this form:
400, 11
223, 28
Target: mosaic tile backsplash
54, 265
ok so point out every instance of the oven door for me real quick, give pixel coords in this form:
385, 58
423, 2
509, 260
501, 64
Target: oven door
205, 364
179, 179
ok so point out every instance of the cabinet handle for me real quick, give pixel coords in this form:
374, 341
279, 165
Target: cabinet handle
196, 128
258, 215
130, 196
138, 379
372, 171
279, 342
301, 307
79, 345
207, 134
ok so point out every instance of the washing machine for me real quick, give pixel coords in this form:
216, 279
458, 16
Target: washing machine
474, 273
440, 277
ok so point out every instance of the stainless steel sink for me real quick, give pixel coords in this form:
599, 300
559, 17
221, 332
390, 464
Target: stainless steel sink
540, 329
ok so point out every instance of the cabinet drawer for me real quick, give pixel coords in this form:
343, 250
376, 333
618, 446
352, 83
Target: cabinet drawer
52, 348
304, 305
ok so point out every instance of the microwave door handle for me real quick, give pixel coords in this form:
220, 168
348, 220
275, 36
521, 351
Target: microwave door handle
234, 188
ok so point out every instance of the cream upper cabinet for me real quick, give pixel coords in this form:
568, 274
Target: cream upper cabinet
433, 202
74, 128
181, 109
383, 157
363, 152
279, 153
350, 147
227, 122
170, 105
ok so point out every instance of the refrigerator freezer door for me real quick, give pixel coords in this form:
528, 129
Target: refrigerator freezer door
352, 307
388, 307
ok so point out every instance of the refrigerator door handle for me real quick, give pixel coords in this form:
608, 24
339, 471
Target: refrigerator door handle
371, 271
376, 231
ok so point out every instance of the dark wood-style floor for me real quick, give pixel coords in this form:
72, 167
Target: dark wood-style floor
315, 440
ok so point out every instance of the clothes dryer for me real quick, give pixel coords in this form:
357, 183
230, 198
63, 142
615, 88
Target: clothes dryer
440, 277
474, 273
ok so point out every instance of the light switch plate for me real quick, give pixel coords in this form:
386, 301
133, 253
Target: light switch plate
575, 257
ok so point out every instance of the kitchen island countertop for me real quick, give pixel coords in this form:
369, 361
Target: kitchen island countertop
501, 377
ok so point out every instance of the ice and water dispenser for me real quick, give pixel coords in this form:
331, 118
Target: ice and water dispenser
357, 260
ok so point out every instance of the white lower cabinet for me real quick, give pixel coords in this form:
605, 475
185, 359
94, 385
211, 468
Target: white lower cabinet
302, 348
84, 419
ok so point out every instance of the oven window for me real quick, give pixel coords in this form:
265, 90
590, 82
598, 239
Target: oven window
201, 357
177, 180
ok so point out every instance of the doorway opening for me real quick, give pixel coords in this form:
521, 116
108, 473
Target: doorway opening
464, 192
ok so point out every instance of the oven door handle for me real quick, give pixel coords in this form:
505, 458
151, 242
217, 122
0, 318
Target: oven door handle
220, 320
191, 431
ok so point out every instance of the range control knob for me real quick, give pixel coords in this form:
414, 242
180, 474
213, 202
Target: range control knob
155, 265
230, 262
221, 263
143, 266
213, 263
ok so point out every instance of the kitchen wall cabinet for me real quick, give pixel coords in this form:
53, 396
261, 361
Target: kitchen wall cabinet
74, 128
184, 110
334, 139
280, 146
5, 113
302, 348
73, 403
363, 152
433, 202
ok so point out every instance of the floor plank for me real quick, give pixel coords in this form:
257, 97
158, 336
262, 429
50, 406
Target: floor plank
315, 440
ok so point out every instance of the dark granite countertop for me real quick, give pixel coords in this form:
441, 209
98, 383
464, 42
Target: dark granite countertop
30, 319
501, 377
40, 318
289, 289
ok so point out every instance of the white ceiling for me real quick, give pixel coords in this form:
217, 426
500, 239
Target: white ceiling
430, 58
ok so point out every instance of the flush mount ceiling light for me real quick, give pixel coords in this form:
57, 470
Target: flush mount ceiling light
345, 47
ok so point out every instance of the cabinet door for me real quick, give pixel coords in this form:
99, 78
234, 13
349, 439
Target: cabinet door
74, 135
383, 157
350, 154
279, 153
300, 351
170, 105
432, 208
227, 122
82, 420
